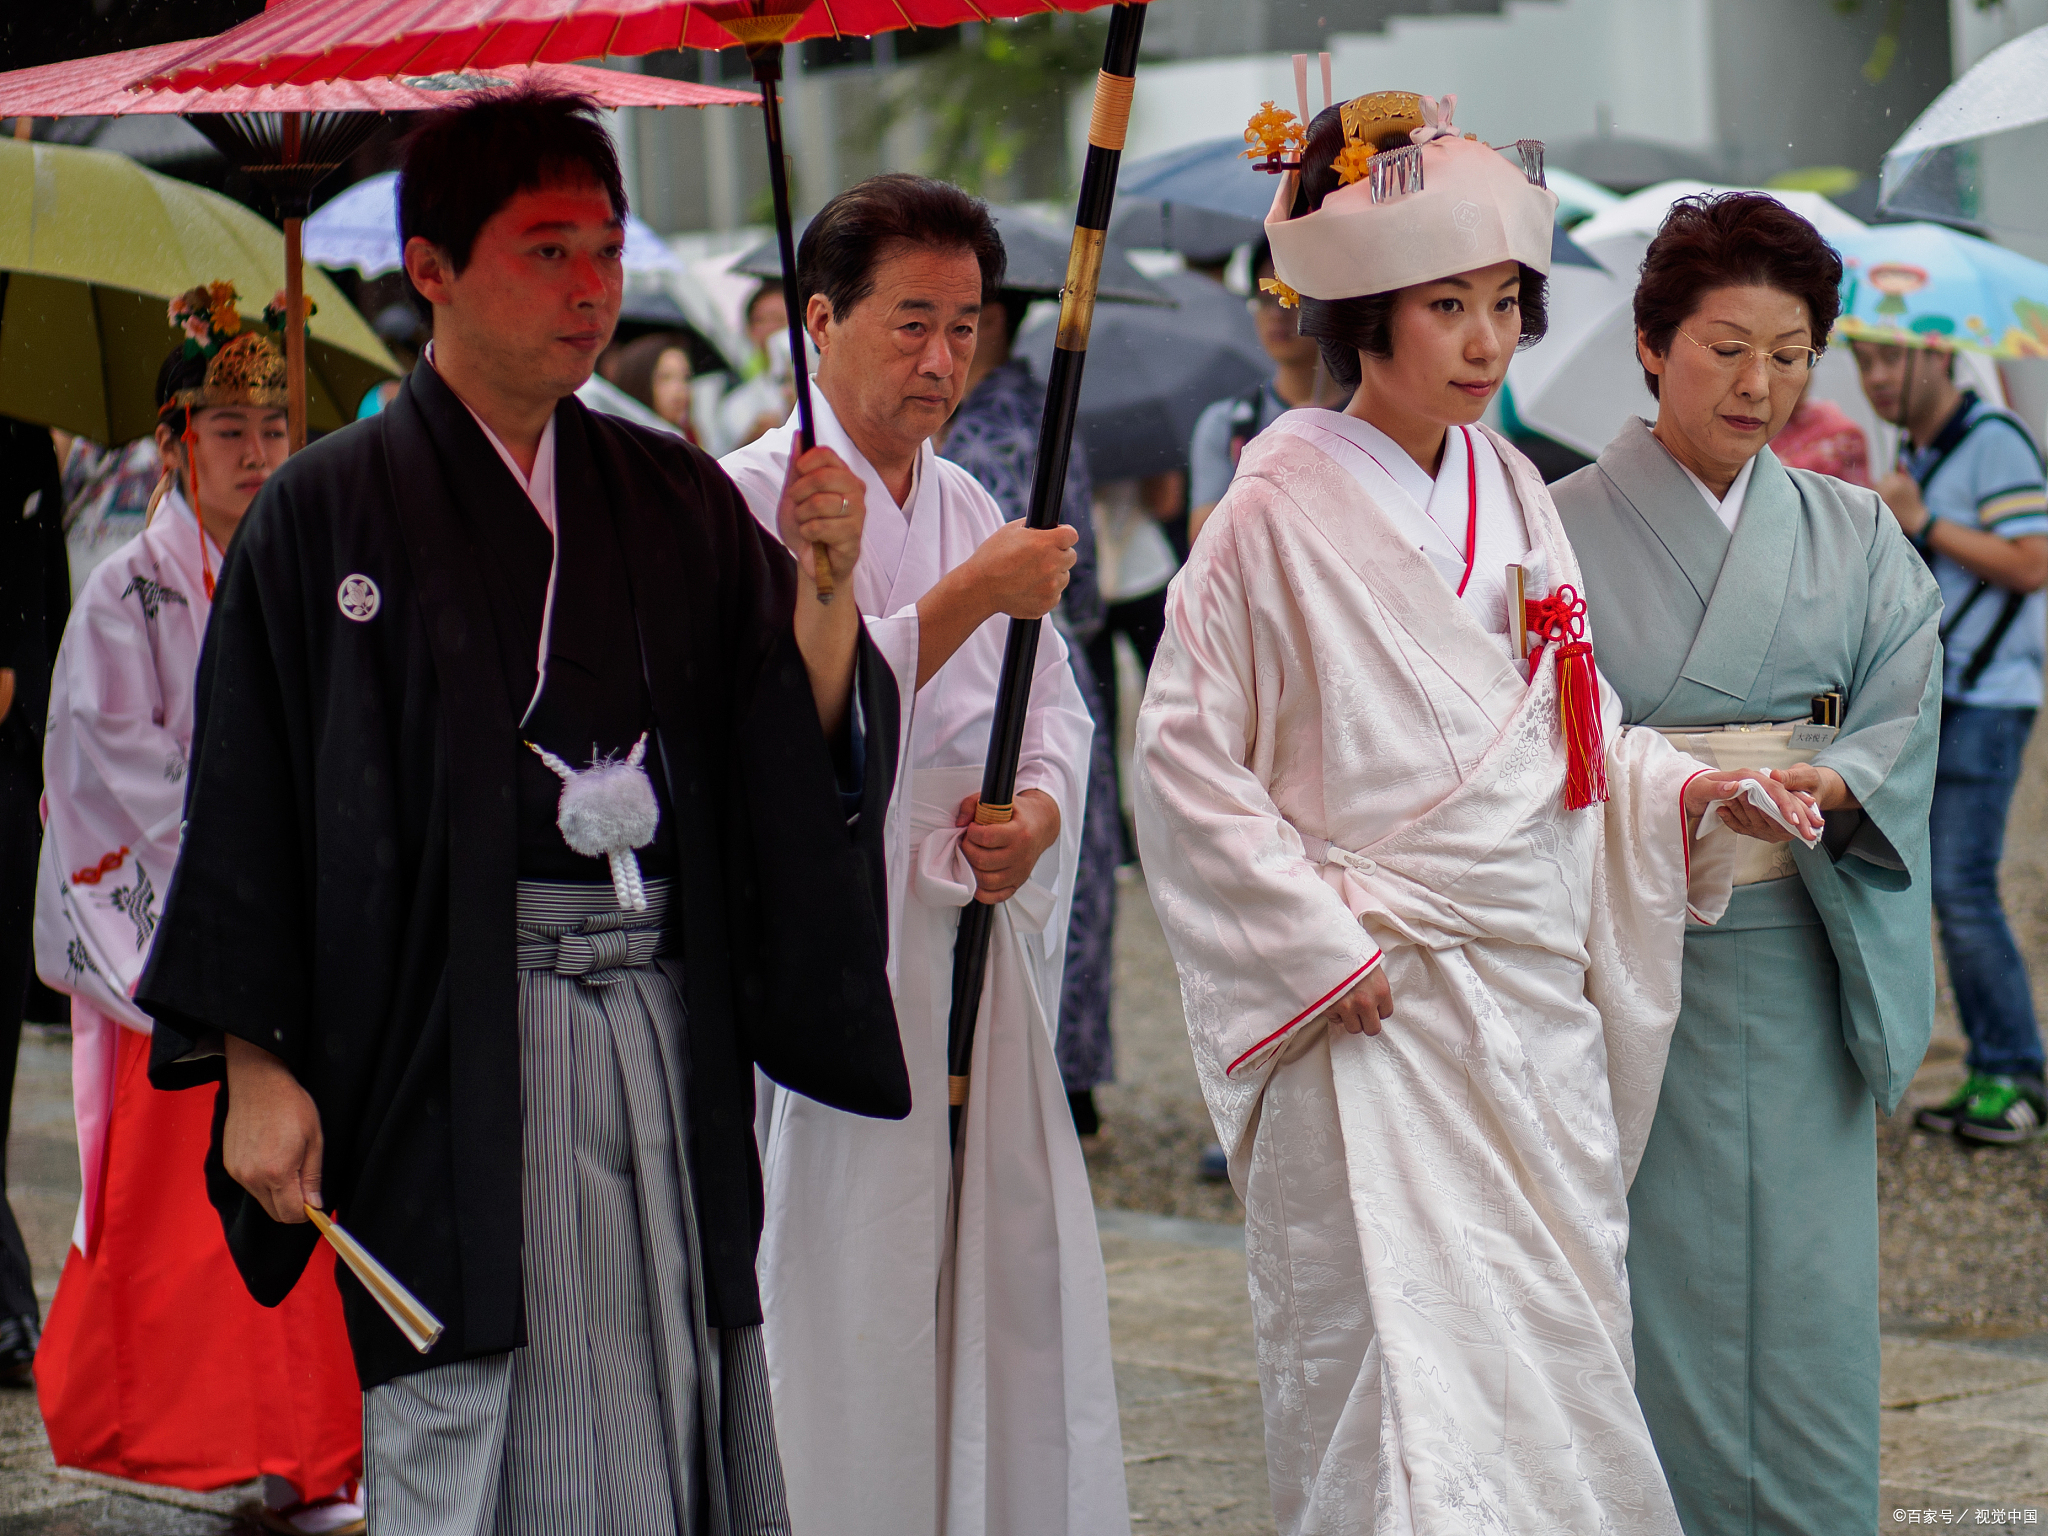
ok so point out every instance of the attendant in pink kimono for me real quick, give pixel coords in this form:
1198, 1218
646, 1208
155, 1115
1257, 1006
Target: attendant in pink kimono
1426, 896
156, 1365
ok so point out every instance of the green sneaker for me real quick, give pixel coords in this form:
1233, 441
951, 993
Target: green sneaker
1944, 1117
2005, 1112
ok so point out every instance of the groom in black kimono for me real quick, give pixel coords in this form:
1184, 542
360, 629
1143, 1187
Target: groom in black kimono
521, 1073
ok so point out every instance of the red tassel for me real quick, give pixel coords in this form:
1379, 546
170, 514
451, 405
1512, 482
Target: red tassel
191, 440
1561, 619
1578, 703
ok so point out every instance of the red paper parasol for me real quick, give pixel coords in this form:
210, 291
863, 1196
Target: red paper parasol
103, 87
306, 40
291, 136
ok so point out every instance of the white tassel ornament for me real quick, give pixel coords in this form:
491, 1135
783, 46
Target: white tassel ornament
606, 811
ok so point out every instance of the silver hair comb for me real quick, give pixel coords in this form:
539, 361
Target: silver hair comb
1396, 172
1531, 151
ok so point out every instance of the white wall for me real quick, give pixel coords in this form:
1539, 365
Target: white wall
1973, 32
1538, 70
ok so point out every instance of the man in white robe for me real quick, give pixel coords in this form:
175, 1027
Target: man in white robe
938, 1333
1353, 805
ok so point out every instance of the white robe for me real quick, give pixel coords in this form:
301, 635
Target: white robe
114, 784
1337, 758
913, 1396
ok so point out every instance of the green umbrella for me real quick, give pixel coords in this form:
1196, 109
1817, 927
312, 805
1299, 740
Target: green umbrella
93, 248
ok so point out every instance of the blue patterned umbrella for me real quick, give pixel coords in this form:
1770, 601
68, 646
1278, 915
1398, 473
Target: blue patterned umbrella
1925, 285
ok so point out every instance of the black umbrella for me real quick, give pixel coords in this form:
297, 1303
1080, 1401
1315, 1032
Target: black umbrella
1036, 252
1202, 235
645, 313
1628, 164
1153, 371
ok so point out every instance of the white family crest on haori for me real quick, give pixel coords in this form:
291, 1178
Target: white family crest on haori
358, 598
606, 811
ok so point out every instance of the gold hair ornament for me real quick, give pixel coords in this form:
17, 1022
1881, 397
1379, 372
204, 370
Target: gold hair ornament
1277, 138
242, 367
1288, 298
1353, 162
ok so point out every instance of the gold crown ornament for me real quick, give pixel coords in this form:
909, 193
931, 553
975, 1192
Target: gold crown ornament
1382, 120
242, 367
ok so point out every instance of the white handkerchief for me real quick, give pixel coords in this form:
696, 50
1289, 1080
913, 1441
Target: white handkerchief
1757, 796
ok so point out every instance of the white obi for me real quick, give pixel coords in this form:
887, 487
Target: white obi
1757, 745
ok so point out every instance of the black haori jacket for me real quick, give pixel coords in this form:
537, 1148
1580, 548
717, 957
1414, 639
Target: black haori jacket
344, 896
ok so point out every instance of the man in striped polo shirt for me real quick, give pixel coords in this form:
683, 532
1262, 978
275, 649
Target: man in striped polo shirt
1968, 492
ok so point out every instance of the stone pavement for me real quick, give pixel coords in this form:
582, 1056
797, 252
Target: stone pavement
1965, 1424
1965, 1417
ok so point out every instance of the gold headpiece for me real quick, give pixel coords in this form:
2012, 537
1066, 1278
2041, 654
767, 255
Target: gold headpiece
1382, 119
242, 367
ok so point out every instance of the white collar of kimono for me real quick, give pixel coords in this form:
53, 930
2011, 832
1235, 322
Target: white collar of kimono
1438, 504
540, 485
1433, 511
834, 436
1728, 508
540, 490
174, 505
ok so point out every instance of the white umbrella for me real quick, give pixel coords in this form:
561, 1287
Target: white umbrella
1577, 198
1583, 381
1943, 168
359, 228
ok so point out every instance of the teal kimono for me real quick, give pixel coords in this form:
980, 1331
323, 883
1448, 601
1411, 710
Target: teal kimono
1753, 1243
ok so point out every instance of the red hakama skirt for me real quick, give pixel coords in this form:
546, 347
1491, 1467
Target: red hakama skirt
156, 1365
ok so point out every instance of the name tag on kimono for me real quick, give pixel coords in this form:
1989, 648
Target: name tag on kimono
1811, 738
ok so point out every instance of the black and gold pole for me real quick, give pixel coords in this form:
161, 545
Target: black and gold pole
1106, 128
762, 25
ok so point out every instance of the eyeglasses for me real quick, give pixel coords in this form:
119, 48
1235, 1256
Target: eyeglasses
1735, 356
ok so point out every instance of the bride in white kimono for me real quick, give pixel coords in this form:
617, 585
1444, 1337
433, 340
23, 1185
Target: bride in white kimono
1359, 801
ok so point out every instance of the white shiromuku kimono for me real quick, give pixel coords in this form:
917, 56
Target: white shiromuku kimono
1341, 764
927, 1381
114, 773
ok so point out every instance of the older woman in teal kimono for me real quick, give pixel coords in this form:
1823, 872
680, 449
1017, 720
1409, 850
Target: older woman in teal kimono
1737, 599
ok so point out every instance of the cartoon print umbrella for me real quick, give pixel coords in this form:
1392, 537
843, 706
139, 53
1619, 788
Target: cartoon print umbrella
1925, 285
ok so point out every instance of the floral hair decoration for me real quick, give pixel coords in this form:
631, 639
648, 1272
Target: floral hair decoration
242, 368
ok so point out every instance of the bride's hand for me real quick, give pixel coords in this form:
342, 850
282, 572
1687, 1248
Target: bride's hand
1740, 816
1360, 1010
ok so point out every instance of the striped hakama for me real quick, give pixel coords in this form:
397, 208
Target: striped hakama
602, 1424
